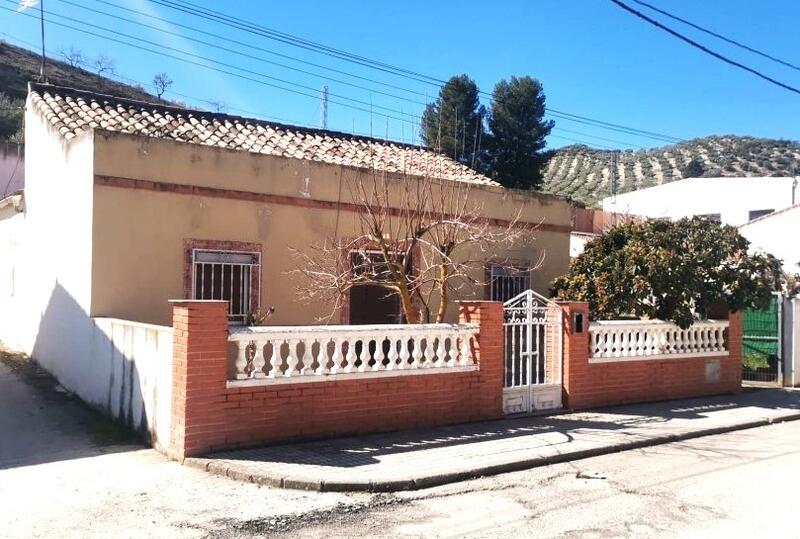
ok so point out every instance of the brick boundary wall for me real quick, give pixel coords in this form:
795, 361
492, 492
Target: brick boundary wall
588, 385
208, 416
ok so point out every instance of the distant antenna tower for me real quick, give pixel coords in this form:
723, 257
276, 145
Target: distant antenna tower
613, 176
323, 108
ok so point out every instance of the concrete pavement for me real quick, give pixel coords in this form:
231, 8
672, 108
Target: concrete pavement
430, 457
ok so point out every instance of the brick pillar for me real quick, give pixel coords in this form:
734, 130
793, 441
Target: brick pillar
575, 353
735, 330
487, 350
199, 374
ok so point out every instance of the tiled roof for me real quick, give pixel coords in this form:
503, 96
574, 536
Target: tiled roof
73, 111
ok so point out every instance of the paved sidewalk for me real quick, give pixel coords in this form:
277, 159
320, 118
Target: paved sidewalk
429, 457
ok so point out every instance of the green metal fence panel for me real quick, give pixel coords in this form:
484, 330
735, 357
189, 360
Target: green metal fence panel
760, 343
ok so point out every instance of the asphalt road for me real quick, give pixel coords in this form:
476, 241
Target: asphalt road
64, 473
740, 484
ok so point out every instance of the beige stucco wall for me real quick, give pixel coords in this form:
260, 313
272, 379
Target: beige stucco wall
138, 234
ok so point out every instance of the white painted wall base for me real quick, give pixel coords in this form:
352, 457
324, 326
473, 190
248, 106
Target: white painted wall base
134, 370
535, 398
790, 348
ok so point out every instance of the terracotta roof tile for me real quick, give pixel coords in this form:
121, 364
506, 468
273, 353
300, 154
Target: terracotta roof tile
72, 111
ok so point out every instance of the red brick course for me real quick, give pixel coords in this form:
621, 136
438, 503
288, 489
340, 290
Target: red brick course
266, 198
207, 415
588, 385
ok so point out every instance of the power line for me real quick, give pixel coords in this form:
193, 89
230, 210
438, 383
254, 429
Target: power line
285, 120
128, 80
233, 51
215, 16
597, 137
241, 69
604, 146
314, 96
558, 114
612, 126
19, 39
283, 37
248, 45
228, 65
705, 49
718, 36
256, 114
246, 71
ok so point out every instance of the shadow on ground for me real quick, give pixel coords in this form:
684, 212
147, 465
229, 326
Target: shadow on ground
41, 422
561, 429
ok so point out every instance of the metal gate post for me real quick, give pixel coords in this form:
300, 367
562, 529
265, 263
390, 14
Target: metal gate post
529, 350
560, 329
780, 339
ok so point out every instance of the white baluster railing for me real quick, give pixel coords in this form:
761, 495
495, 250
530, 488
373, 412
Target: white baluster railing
616, 340
272, 354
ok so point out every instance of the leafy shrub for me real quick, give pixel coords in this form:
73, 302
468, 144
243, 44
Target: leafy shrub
669, 270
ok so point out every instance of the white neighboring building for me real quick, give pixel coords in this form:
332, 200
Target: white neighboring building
733, 201
777, 234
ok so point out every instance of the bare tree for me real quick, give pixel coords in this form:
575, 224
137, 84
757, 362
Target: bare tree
103, 64
424, 239
74, 57
162, 82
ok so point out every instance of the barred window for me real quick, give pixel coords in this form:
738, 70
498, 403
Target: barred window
228, 275
507, 282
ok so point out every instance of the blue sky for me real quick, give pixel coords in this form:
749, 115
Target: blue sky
593, 59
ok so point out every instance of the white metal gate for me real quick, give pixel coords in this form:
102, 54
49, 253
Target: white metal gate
532, 355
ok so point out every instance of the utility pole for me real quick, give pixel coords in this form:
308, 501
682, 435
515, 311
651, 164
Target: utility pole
323, 108
25, 4
41, 20
613, 175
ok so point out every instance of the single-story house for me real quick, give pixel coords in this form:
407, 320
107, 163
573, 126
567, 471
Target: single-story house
128, 204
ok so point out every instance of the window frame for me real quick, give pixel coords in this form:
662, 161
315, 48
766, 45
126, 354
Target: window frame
192, 247
759, 213
520, 266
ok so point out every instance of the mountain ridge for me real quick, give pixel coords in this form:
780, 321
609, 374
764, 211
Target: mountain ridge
583, 173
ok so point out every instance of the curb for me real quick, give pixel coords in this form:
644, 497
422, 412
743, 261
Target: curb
243, 473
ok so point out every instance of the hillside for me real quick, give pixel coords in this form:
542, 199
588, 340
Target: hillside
18, 66
584, 174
